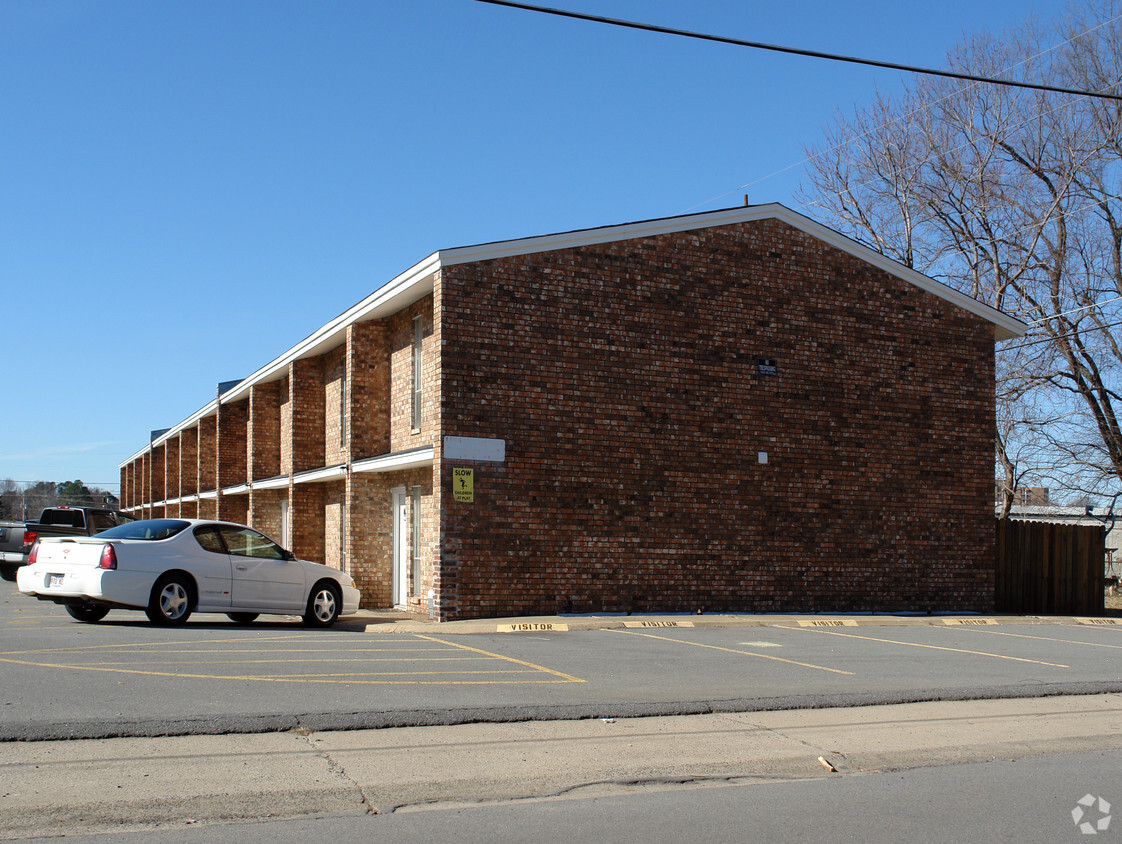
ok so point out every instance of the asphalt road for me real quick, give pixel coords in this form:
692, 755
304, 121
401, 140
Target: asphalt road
123, 677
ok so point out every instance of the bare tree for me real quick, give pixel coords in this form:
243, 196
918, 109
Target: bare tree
1012, 197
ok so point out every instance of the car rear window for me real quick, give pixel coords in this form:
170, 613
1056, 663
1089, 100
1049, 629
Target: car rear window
152, 529
63, 516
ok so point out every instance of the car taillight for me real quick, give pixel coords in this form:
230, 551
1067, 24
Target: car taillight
108, 558
33, 554
29, 537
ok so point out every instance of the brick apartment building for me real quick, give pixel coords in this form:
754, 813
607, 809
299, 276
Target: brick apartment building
733, 410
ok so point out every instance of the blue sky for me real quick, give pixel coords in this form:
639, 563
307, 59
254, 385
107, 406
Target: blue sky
190, 187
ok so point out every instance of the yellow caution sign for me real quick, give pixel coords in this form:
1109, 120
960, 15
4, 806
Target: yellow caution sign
463, 485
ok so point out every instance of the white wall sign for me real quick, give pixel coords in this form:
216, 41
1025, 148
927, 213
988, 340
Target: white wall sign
474, 448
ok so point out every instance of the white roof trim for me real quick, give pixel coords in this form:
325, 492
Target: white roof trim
279, 482
313, 476
412, 459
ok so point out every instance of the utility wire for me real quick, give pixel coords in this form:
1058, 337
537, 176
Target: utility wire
721, 39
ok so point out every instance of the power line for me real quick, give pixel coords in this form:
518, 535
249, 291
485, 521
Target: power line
721, 39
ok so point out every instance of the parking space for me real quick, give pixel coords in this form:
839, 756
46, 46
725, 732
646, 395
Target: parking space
295, 658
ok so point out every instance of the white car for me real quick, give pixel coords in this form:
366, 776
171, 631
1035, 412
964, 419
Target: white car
171, 568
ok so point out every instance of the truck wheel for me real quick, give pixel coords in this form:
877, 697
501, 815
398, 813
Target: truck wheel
8, 573
324, 605
172, 600
85, 613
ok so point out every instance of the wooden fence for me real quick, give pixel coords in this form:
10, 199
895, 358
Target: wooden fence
1049, 568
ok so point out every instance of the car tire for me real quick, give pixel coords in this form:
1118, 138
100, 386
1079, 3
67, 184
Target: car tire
172, 600
86, 613
324, 605
8, 573
242, 617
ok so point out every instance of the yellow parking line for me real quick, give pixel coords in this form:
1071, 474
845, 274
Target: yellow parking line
337, 678
929, 647
566, 677
732, 651
118, 667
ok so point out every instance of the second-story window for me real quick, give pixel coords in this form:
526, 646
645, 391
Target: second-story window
418, 336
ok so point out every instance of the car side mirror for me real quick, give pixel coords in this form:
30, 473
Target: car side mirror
288, 555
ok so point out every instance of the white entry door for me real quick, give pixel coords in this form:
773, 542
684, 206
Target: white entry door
400, 547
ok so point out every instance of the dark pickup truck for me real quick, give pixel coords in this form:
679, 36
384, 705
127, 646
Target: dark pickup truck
66, 521
12, 555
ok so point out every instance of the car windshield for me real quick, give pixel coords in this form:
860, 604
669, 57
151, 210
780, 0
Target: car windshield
145, 529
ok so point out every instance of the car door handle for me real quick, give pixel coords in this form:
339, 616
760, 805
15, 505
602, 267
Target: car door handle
242, 568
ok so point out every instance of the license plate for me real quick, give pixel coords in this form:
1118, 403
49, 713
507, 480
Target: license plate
54, 580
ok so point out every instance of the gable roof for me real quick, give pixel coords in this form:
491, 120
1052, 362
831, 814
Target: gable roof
417, 282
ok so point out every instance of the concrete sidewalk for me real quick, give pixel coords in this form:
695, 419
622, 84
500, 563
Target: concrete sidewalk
55, 788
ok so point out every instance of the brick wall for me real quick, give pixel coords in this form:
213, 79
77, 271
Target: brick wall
171, 469
307, 414
368, 381
369, 537
284, 391
624, 380
233, 436
333, 525
158, 476
334, 398
264, 430
265, 512
208, 453
233, 508
189, 461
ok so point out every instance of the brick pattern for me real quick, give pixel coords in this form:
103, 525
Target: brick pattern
189, 461
265, 512
263, 446
368, 382
171, 470
624, 380
208, 455
157, 471
334, 398
307, 521
233, 436
333, 525
307, 407
284, 390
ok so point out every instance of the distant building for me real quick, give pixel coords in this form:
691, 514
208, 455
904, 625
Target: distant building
724, 411
1032, 496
